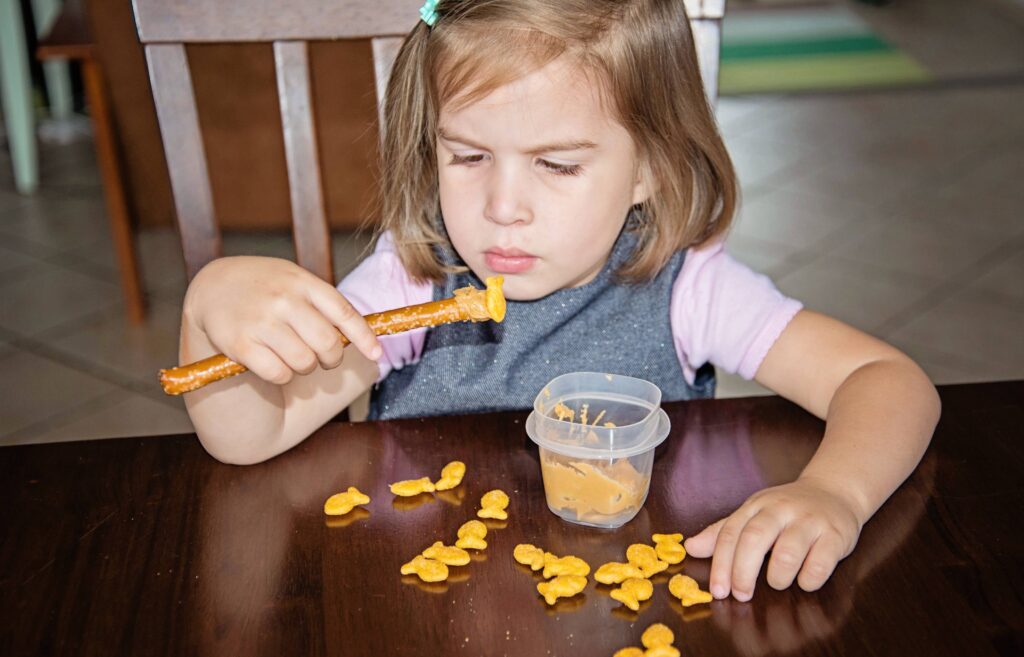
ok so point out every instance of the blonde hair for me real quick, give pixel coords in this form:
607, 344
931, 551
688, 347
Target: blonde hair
640, 52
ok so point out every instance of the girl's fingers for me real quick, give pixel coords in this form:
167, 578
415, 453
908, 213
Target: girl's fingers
340, 312
755, 540
821, 561
702, 545
289, 347
788, 554
725, 549
319, 334
263, 362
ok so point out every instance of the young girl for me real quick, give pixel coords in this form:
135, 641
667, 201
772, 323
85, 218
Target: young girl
566, 145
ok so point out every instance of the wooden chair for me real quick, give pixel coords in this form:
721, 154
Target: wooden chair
70, 39
165, 26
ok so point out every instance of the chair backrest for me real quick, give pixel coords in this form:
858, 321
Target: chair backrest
165, 26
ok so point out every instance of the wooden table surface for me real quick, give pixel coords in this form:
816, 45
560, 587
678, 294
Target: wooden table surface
147, 546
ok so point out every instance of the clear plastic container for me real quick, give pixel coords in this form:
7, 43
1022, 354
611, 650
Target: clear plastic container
597, 434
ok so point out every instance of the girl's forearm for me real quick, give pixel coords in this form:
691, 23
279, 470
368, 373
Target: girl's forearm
879, 423
238, 420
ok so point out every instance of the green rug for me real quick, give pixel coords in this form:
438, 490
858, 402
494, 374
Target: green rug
808, 49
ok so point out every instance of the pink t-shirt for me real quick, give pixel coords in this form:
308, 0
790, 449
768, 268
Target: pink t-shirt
721, 311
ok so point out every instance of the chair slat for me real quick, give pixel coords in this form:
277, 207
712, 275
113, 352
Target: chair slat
309, 221
385, 51
192, 21
705, 8
707, 41
186, 160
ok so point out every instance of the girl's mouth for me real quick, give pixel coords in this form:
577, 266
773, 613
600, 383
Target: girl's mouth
509, 261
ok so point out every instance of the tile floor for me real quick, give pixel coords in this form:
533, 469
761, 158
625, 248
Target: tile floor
898, 211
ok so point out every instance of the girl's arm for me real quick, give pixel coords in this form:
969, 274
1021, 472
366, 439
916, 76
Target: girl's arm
880, 411
281, 322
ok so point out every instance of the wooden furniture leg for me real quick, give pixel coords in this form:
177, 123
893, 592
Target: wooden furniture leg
114, 191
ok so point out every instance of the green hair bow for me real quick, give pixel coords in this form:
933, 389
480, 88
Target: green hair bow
428, 12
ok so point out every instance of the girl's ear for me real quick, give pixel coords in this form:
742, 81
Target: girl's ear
644, 185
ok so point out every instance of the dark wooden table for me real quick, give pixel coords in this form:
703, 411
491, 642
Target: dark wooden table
150, 547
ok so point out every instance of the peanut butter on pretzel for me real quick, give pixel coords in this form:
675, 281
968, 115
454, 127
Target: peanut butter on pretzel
468, 304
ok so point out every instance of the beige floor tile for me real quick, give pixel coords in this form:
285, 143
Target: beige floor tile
858, 294
38, 389
771, 258
11, 260
997, 172
918, 158
799, 218
10, 200
831, 125
879, 188
997, 214
108, 341
737, 114
129, 415
914, 247
59, 224
51, 297
982, 332
758, 161
941, 367
987, 107
1002, 283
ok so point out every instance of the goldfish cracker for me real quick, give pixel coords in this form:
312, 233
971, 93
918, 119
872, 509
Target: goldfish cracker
427, 569
448, 555
493, 505
669, 547
662, 651
471, 536
657, 634
341, 503
569, 565
529, 555
686, 589
634, 591
411, 487
615, 572
645, 558
451, 476
631, 651
563, 586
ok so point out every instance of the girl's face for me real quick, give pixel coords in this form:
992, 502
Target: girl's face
536, 180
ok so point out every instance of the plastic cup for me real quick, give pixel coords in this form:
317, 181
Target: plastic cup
597, 434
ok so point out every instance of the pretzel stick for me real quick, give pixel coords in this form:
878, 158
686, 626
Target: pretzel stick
467, 305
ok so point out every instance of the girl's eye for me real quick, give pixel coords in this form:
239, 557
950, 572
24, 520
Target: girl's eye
475, 158
561, 169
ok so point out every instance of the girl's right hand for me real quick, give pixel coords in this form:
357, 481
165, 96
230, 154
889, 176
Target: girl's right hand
274, 317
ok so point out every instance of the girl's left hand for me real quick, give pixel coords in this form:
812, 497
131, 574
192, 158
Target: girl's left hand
808, 526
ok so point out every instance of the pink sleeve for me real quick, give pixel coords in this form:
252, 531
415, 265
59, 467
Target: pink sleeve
724, 313
380, 283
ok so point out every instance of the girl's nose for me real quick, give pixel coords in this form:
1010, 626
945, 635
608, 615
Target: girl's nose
507, 199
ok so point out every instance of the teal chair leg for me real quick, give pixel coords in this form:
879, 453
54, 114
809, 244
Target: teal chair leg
58, 78
16, 90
